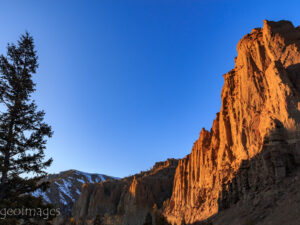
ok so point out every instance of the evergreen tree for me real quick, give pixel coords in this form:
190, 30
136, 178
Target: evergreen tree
97, 220
23, 134
148, 219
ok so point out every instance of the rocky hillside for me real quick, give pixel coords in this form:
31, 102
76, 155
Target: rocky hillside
128, 200
248, 160
65, 188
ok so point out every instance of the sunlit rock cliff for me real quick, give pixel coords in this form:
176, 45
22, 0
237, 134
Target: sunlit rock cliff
128, 200
253, 145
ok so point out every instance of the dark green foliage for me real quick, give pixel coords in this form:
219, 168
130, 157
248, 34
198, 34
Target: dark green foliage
148, 219
23, 133
249, 222
97, 220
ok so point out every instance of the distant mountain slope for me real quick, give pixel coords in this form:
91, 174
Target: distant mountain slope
65, 188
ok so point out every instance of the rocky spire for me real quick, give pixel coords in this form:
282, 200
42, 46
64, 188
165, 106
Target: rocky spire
260, 96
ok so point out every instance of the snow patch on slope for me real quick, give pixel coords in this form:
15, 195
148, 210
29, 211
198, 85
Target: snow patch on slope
65, 189
40, 193
68, 185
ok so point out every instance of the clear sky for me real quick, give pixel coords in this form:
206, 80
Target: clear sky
127, 83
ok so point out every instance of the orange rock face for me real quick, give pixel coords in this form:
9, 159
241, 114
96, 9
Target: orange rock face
259, 95
129, 199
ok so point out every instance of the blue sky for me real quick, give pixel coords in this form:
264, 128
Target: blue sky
127, 83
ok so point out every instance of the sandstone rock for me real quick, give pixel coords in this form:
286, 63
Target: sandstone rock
254, 140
